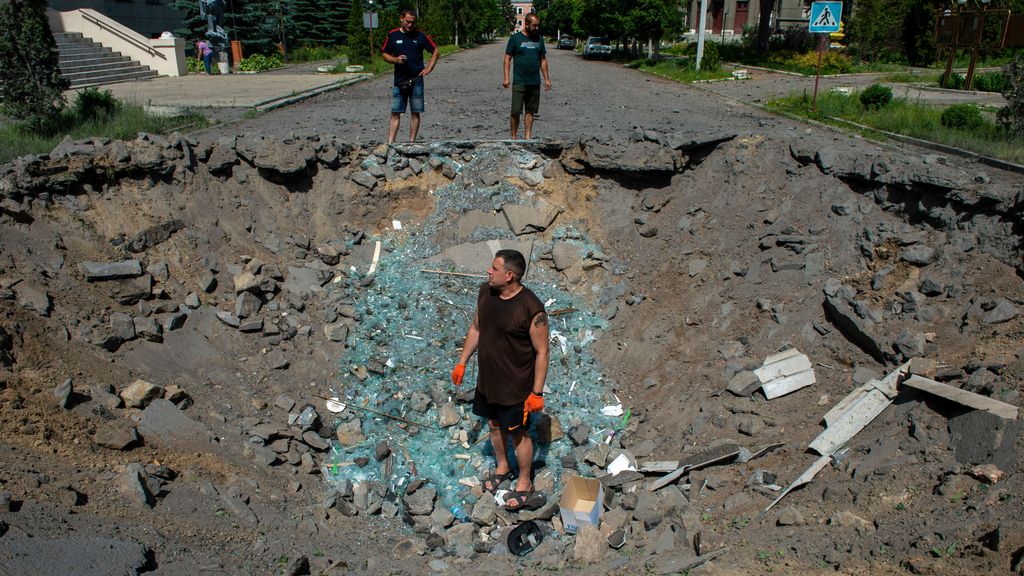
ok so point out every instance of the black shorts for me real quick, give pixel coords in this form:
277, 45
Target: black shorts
509, 418
527, 96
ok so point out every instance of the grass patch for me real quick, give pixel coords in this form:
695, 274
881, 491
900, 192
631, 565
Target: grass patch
680, 71
906, 118
911, 77
124, 123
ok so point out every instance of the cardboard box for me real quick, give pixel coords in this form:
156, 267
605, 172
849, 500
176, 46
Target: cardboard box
582, 502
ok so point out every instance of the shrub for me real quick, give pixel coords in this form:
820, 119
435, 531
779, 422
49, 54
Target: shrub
31, 86
876, 97
92, 103
711, 60
259, 63
1011, 116
832, 62
992, 82
195, 65
961, 117
314, 53
796, 39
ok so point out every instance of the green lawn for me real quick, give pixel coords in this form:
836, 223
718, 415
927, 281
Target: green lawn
680, 71
124, 124
906, 118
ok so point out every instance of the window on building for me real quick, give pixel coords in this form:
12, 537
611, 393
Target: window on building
519, 10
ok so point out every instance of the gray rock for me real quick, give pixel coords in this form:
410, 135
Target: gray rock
365, 180
528, 219
315, 441
421, 502
909, 344
131, 484
790, 516
695, 267
337, 332
34, 297
743, 383
228, 318
104, 396
484, 511
192, 300
1003, 311
116, 435
148, 329
247, 304
140, 393
840, 313
591, 546
303, 281
448, 415
565, 255
919, 255
350, 433
64, 393
173, 321
277, 360
71, 554
164, 424
99, 271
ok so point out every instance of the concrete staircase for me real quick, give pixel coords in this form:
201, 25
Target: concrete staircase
85, 63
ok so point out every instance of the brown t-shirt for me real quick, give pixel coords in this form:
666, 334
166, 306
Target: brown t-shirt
505, 352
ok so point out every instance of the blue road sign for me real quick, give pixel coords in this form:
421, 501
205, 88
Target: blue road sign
825, 17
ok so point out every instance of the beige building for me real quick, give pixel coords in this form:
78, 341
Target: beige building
728, 17
522, 8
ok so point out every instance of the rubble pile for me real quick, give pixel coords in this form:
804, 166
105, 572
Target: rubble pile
268, 330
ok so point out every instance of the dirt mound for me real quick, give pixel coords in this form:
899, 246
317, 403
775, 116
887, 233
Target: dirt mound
173, 306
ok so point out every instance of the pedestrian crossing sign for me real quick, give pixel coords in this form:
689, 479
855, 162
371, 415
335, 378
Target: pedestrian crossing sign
825, 17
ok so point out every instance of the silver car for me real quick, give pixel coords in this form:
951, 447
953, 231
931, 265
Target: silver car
597, 47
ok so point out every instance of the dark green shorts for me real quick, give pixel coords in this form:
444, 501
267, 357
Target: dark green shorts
528, 95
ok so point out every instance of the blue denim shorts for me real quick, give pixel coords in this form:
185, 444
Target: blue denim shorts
413, 99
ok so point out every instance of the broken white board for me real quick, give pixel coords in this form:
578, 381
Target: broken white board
969, 399
772, 369
850, 399
804, 478
852, 421
787, 384
785, 372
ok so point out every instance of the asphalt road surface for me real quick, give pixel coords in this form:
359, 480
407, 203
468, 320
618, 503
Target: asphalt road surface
465, 100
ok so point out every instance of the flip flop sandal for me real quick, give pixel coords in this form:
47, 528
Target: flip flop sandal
524, 500
492, 481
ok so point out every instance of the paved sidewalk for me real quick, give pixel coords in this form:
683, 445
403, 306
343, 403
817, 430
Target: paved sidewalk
238, 90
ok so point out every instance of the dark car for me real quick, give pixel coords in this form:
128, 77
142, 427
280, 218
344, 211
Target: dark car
566, 43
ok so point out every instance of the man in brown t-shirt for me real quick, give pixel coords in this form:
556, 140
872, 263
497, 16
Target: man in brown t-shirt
510, 331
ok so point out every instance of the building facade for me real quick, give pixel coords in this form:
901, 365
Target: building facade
522, 8
147, 17
728, 17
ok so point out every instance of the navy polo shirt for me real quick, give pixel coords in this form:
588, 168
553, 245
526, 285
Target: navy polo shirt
411, 44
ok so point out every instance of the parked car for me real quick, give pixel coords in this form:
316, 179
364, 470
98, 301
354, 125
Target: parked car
566, 43
597, 47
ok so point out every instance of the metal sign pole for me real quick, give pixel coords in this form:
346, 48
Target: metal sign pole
817, 72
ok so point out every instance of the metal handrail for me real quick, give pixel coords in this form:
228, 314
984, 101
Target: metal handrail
121, 33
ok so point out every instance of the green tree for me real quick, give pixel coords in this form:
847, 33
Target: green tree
651, 20
874, 32
31, 86
563, 15
359, 37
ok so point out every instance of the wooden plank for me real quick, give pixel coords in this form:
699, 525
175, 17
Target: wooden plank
791, 383
970, 399
792, 365
658, 466
804, 478
850, 423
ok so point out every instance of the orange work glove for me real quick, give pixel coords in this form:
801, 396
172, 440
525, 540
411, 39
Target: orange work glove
458, 373
534, 403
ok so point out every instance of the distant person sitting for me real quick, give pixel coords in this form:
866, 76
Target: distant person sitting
205, 54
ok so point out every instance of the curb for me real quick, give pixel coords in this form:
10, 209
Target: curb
280, 101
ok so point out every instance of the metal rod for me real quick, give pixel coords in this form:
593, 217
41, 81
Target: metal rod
454, 273
378, 412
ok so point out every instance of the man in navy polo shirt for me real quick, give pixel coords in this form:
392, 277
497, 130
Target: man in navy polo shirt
404, 48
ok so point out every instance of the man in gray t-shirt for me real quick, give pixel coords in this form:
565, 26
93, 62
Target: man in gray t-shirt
527, 52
